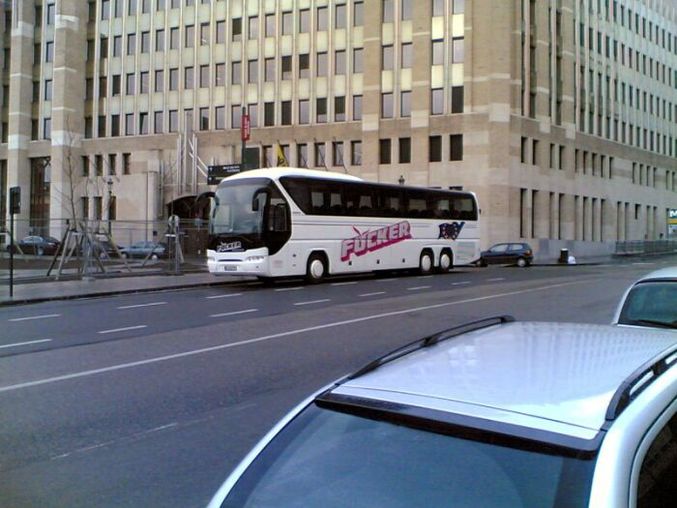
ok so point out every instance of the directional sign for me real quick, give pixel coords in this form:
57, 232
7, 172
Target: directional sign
216, 173
672, 216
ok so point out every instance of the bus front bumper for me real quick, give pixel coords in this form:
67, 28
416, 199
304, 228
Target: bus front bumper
250, 265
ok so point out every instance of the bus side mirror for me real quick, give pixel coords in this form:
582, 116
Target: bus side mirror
256, 206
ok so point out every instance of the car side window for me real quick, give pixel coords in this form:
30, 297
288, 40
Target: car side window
657, 485
515, 246
499, 248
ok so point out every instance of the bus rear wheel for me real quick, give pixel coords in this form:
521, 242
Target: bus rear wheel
316, 269
425, 265
446, 262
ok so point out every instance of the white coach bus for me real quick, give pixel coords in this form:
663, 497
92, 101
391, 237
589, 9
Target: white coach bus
281, 222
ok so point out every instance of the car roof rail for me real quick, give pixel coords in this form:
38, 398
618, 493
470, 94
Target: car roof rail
638, 381
430, 341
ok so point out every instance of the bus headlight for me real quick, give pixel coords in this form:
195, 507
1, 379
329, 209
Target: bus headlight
254, 259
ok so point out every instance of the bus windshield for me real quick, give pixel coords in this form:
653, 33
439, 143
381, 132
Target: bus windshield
234, 212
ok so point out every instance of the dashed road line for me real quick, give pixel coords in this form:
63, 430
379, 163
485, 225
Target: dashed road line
126, 328
386, 280
374, 293
296, 288
139, 305
18, 344
234, 313
311, 302
460, 283
223, 296
28, 318
416, 288
495, 279
343, 283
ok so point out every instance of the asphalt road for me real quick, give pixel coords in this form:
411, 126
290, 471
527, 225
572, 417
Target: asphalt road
151, 399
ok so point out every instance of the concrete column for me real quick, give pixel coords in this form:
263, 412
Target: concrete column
70, 36
608, 220
554, 216
587, 219
525, 212
620, 222
596, 208
578, 217
20, 100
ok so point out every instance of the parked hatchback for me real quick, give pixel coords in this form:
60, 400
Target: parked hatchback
651, 301
494, 413
38, 245
519, 254
144, 249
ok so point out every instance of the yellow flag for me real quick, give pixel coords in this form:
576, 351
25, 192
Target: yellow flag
281, 159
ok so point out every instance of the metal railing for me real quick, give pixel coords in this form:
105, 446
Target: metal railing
645, 247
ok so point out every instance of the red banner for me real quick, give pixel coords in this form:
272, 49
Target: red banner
244, 129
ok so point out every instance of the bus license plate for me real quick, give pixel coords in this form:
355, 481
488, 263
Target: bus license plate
229, 268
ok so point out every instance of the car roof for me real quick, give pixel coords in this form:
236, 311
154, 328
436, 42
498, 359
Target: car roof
664, 273
552, 377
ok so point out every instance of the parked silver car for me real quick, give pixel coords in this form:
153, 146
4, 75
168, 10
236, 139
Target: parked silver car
494, 413
651, 301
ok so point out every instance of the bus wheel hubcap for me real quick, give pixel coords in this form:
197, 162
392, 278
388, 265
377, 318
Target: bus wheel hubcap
316, 269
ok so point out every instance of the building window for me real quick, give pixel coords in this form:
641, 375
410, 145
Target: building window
220, 117
388, 10
407, 55
131, 44
48, 88
220, 74
321, 110
103, 86
253, 112
145, 42
204, 76
357, 60
302, 155
286, 112
159, 122
129, 124
357, 107
220, 32
339, 109
405, 150
253, 29
236, 73
438, 7
288, 23
204, 34
406, 10
189, 39
339, 62
117, 45
321, 20
384, 151
174, 38
269, 114
387, 58
269, 69
337, 153
286, 67
437, 53
252, 71
159, 81
47, 128
458, 6
405, 104
188, 78
235, 117
204, 119
457, 99
320, 155
143, 123
456, 147
387, 105
116, 85
437, 101
173, 79
321, 64
49, 51
270, 25
174, 120
340, 16
358, 13
457, 50
236, 29
304, 111
356, 153
304, 66
435, 148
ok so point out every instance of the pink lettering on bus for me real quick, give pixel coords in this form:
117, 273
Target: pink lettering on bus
376, 239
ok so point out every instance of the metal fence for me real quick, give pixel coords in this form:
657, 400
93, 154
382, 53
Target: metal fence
645, 247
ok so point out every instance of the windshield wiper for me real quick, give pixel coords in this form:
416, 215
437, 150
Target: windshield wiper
652, 322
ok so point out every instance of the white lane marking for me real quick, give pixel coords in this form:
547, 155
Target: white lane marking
495, 279
343, 283
416, 288
126, 328
17, 344
374, 294
234, 313
313, 301
223, 296
642, 263
290, 289
246, 342
153, 304
44, 316
425, 277
386, 280
460, 283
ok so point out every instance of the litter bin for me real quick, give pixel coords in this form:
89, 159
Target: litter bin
563, 256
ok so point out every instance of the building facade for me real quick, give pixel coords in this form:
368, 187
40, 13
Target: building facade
560, 114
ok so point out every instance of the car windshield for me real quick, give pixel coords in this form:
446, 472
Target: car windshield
332, 459
651, 304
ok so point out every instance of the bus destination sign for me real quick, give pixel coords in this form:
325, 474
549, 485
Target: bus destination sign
217, 173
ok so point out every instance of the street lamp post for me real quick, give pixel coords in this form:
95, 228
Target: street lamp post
109, 183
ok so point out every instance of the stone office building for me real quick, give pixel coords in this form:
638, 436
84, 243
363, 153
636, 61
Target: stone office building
560, 114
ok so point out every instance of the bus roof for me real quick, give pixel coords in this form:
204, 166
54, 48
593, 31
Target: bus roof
279, 172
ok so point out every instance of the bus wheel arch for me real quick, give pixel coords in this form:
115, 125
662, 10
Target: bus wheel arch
446, 262
317, 267
426, 262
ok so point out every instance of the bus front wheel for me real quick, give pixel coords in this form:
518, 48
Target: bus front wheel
425, 265
316, 269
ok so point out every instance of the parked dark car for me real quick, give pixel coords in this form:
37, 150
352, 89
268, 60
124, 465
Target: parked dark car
37, 245
105, 249
519, 254
144, 249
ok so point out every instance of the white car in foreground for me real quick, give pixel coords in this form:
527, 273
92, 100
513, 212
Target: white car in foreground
651, 301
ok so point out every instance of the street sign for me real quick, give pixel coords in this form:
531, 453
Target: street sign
217, 173
672, 216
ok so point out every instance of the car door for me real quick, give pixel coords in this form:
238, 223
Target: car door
498, 254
